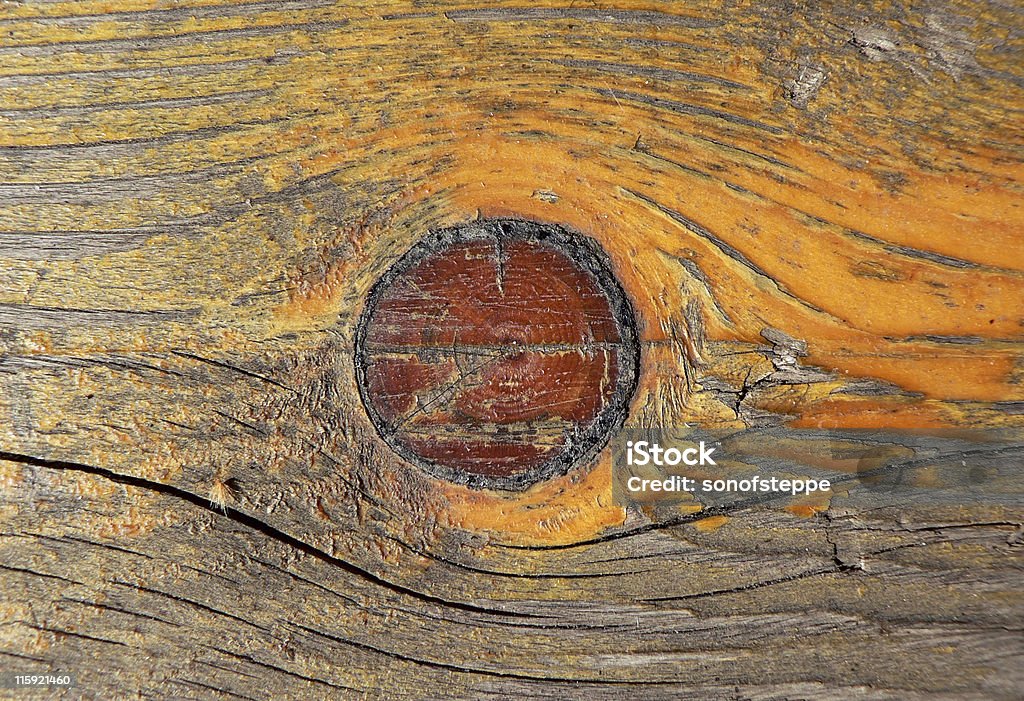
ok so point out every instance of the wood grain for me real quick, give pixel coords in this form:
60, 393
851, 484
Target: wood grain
816, 209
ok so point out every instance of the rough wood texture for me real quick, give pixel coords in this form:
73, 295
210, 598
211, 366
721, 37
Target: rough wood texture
815, 208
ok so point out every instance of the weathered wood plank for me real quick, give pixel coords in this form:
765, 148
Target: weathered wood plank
815, 210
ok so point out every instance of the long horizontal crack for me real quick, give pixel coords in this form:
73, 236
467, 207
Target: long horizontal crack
255, 524
477, 670
816, 572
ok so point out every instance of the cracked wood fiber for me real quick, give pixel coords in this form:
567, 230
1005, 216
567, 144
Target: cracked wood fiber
815, 210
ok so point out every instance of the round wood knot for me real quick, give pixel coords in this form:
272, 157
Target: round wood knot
498, 353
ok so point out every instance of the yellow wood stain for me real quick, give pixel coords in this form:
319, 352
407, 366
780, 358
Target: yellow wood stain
710, 524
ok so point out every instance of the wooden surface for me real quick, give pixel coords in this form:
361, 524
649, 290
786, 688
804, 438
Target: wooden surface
816, 209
